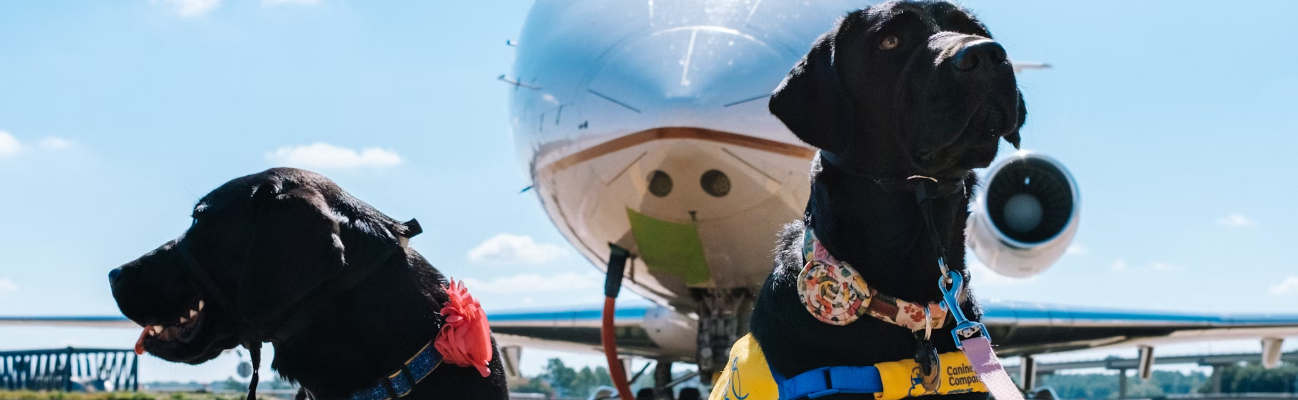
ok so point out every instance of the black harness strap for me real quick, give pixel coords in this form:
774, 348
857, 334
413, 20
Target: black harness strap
925, 192
254, 351
939, 187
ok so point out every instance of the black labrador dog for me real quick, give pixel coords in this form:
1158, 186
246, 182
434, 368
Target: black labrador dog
896, 94
287, 256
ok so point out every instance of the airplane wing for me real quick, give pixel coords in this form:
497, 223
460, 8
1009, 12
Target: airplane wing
1033, 328
1017, 328
95, 321
575, 330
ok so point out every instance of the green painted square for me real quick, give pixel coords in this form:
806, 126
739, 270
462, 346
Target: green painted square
670, 247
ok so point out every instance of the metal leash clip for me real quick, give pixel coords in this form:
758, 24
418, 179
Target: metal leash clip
964, 328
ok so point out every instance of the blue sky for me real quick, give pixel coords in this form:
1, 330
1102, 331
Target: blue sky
1179, 120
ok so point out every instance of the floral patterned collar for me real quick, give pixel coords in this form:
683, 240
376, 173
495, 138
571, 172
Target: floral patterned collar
836, 294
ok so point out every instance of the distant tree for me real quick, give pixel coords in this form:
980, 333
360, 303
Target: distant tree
569, 382
1144, 389
531, 385
1250, 378
1253, 378
1105, 386
560, 376
604, 378
587, 380
1172, 382
1081, 386
231, 384
278, 383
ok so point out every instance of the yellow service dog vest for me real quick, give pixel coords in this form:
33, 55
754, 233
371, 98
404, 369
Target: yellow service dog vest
748, 377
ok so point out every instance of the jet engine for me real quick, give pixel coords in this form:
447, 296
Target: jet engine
1026, 215
672, 331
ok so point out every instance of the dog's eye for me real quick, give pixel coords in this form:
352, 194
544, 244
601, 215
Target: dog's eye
889, 43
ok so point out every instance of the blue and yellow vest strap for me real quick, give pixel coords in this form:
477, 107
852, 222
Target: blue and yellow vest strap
825, 381
748, 377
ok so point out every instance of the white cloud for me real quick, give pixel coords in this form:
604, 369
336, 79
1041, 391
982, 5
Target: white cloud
9, 144
1287, 286
1119, 265
190, 8
1161, 266
8, 285
1078, 249
514, 249
278, 2
324, 155
535, 283
1236, 220
55, 143
982, 276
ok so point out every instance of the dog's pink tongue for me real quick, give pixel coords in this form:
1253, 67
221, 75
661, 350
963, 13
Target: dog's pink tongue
139, 344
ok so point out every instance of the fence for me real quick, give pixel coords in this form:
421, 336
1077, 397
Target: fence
69, 369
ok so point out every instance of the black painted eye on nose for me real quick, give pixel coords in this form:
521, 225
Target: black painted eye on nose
660, 184
113, 275
715, 183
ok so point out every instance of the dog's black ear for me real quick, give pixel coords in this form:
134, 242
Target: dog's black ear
810, 101
296, 245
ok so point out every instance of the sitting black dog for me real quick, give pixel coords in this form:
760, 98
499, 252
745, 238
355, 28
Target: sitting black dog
895, 96
288, 257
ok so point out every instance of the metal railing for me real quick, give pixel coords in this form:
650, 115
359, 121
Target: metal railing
69, 369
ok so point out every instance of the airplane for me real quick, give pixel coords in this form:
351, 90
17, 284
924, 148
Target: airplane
645, 130
643, 126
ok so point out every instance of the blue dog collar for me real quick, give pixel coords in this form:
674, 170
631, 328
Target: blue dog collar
400, 383
825, 381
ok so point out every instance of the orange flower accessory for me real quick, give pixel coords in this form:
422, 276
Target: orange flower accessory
465, 339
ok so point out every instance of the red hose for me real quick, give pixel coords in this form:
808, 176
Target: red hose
608, 336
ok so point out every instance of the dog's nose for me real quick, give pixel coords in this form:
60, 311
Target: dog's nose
112, 276
983, 53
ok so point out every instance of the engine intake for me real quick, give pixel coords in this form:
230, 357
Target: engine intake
1025, 217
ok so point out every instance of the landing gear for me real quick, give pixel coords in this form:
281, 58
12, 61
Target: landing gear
723, 317
664, 384
662, 377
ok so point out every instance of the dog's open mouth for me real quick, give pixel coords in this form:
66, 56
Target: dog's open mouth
182, 328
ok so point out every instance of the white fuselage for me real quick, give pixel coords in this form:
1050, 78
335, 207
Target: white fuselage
610, 94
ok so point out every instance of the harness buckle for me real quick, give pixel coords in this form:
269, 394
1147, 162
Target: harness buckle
964, 328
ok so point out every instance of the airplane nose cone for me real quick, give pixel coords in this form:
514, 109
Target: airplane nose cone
689, 67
